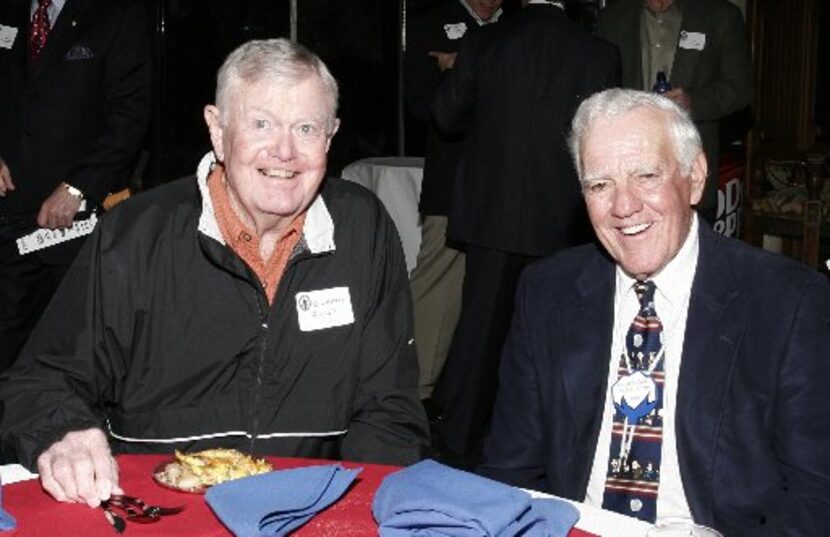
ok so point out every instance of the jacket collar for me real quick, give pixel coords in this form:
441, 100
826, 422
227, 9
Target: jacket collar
587, 326
318, 229
710, 349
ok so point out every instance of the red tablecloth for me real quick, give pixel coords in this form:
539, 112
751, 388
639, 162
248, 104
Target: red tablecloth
38, 514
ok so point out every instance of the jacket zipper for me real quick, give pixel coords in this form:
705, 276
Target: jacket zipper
264, 310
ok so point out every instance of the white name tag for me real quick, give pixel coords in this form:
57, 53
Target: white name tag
44, 238
455, 31
692, 40
7, 35
325, 308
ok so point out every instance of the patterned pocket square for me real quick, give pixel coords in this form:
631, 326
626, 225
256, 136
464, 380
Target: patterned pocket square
79, 52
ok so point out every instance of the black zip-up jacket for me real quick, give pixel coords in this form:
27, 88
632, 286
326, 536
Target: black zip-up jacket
163, 337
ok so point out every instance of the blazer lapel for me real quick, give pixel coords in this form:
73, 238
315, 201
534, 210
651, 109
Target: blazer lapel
587, 326
63, 34
709, 351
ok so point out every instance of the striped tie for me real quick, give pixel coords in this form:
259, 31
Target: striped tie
637, 433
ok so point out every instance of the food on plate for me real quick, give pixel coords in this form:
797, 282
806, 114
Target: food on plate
197, 471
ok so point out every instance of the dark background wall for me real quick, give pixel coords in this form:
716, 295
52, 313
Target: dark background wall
358, 40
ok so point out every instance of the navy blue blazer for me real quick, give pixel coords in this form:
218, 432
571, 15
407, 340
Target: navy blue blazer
753, 411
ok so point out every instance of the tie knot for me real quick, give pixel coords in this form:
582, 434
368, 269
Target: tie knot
44, 3
645, 292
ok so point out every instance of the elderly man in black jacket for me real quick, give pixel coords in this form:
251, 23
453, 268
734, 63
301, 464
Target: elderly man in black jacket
261, 306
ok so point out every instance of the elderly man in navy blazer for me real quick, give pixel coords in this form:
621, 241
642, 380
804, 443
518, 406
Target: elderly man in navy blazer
669, 372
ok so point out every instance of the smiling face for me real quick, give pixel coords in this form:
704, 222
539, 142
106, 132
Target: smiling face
638, 200
273, 140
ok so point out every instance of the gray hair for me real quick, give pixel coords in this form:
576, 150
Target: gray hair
617, 102
276, 60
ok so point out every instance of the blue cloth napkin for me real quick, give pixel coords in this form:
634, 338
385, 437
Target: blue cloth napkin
429, 499
278, 502
7, 522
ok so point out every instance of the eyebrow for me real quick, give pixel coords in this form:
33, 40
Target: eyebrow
595, 178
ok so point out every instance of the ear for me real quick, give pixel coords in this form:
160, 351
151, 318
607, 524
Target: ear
333, 132
697, 176
212, 118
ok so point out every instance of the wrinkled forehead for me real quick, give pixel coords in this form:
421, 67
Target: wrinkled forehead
626, 144
306, 97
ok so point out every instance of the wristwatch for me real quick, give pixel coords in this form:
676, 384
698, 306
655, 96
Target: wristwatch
73, 191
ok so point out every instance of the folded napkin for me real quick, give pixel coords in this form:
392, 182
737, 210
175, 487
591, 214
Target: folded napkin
430, 499
7, 521
278, 502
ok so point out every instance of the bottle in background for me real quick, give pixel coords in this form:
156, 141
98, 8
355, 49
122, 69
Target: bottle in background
662, 85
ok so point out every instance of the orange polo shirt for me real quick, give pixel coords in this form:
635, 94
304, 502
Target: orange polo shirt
244, 241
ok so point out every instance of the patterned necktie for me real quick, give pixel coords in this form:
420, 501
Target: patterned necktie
637, 433
40, 29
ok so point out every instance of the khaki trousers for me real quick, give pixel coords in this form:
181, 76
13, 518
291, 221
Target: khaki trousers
436, 284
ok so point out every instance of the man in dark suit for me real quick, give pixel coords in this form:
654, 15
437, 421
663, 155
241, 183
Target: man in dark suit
433, 42
74, 105
702, 47
516, 198
732, 400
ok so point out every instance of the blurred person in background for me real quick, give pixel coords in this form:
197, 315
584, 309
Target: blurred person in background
433, 40
75, 96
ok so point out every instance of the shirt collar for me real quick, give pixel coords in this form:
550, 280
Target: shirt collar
54, 10
318, 229
478, 19
674, 282
560, 5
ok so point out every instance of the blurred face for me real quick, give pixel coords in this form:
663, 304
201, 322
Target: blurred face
485, 9
658, 6
638, 201
273, 142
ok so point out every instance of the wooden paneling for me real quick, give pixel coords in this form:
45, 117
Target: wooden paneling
784, 37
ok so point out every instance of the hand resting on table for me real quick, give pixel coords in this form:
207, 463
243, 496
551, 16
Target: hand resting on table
79, 468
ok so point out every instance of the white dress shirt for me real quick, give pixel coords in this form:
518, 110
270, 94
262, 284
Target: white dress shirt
671, 303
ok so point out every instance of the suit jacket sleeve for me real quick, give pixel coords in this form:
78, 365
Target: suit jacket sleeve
802, 432
514, 451
731, 89
389, 424
454, 101
127, 82
52, 388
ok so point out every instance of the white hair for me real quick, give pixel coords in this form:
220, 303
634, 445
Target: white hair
617, 102
280, 61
